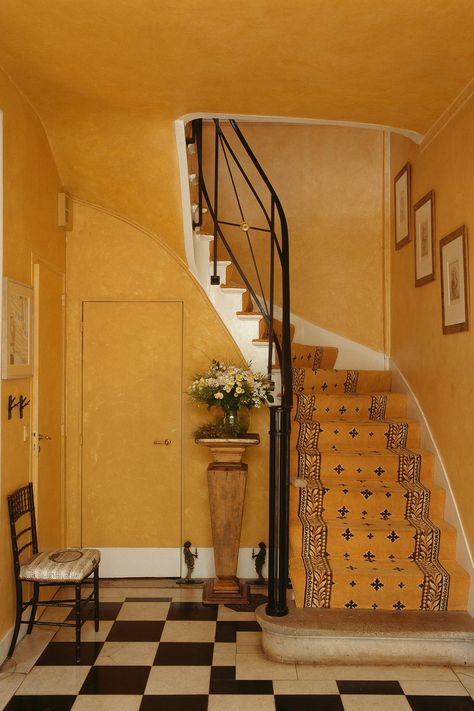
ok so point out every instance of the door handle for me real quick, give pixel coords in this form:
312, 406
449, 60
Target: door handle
40, 436
166, 442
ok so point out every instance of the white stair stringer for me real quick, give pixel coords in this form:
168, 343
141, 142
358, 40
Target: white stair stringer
227, 303
244, 329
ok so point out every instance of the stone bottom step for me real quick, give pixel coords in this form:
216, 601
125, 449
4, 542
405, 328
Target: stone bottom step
309, 636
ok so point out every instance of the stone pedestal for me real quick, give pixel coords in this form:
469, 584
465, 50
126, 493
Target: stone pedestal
226, 477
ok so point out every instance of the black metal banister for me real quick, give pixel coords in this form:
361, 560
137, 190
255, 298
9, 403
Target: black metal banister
280, 415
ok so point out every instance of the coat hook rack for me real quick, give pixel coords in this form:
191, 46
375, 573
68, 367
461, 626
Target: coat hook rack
11, 405
22, 403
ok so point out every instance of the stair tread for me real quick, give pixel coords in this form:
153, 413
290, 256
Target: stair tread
377, 423
336, 396
386, 566
357, 485
393, 453
401, 524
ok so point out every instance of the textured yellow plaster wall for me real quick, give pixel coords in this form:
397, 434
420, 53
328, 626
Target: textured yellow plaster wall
31, 184
111, 259
108, 79
330, 182
439, 367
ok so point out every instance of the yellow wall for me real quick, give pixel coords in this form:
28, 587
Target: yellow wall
330, 182
439, 367
31, 184
112, 259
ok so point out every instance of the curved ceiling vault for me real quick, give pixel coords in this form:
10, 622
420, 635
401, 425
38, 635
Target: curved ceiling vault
108, 77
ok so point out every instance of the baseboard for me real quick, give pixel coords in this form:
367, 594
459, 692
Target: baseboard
166, 563
463, 553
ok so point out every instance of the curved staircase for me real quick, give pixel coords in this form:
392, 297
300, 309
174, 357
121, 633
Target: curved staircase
371, 559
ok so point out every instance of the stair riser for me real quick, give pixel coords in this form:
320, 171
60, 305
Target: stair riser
377, 507
382, 466
361, 435
377, 591
313, 357
355, 541
364, 593
332, 382
355, 407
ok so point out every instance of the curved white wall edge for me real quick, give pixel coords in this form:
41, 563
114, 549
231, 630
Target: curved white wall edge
463, 553
412, 135
180, 126
351, 356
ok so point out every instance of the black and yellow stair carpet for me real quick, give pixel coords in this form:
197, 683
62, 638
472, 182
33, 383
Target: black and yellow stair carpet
366, 522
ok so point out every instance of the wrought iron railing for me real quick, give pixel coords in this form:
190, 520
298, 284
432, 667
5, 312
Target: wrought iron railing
234, 160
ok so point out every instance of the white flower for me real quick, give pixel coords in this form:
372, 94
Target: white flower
218, 396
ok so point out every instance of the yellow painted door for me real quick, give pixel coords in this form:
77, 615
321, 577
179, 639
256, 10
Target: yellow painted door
131, 495
48, 406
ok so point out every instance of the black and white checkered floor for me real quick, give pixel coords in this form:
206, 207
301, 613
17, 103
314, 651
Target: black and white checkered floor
160, 648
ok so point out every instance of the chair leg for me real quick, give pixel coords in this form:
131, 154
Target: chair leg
16, 629
96, 599
34, 607
78, 623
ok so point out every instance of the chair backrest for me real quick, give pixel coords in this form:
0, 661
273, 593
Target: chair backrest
21, 503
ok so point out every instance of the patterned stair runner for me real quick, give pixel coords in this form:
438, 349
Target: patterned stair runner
366, 526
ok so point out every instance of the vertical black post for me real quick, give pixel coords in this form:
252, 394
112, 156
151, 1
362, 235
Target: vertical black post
278, 538
272, 286
272, 519
215, 278
197, 133
283, 547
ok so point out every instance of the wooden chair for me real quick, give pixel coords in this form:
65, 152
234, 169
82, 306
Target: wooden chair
69, 566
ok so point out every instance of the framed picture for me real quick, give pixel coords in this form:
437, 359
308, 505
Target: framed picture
424, 212
454, 281
402, 190
17, 330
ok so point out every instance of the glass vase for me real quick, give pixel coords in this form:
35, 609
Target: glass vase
235, 422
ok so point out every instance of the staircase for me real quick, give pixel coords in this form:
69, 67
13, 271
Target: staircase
366, 519
366, 522
361, 534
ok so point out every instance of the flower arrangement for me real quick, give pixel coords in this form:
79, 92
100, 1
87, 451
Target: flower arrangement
231, 387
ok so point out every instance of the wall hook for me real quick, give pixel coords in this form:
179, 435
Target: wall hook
22, 403
11, 405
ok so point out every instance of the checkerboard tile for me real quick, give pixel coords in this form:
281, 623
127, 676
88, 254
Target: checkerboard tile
164, 649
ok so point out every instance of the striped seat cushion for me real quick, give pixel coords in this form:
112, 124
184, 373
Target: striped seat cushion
64, 565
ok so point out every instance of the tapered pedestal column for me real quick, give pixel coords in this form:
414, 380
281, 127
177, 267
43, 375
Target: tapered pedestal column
227, 477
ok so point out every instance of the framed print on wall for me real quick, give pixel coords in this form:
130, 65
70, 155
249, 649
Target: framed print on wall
454, 281
424, 212
402, 190
17, 330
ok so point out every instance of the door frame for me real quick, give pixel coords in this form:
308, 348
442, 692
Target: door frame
135, 562
36, 262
